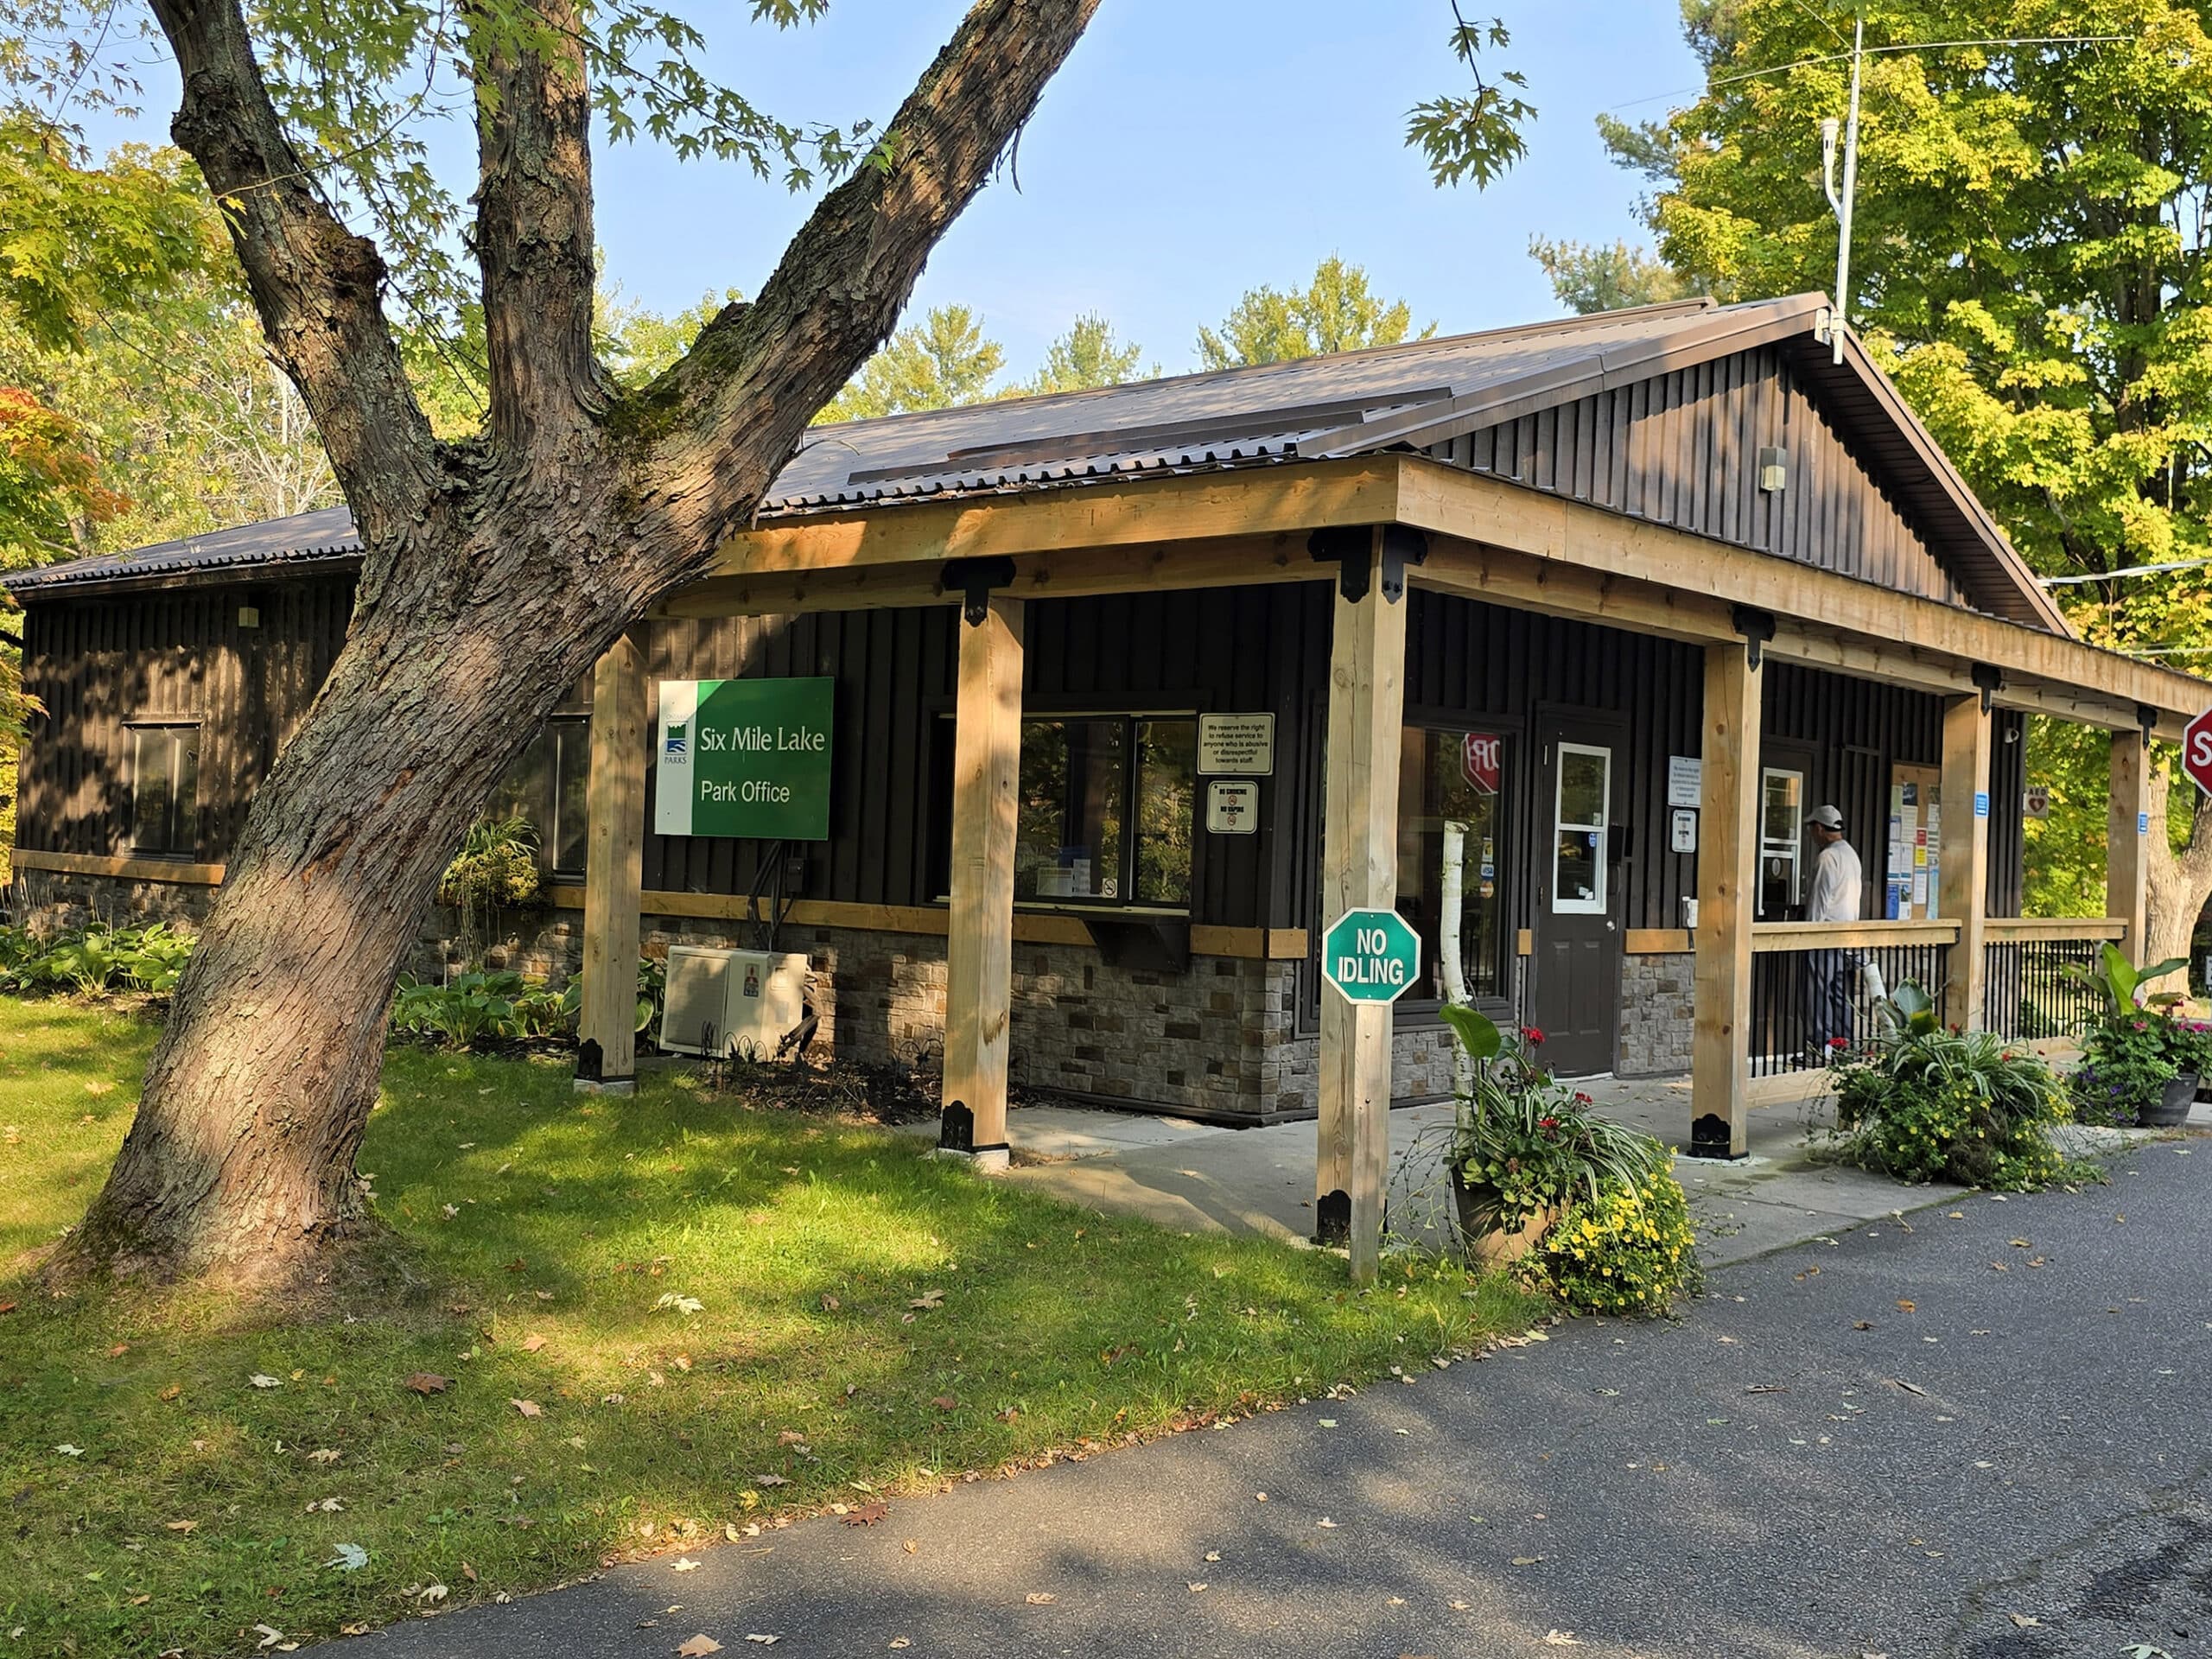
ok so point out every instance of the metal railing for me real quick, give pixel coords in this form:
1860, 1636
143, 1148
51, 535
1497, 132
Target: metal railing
2028, 994
1813, 981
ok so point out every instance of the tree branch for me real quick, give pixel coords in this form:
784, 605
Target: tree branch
757, 373
534, 225
317, 286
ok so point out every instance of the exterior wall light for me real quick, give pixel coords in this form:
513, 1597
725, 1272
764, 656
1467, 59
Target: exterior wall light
1774, 469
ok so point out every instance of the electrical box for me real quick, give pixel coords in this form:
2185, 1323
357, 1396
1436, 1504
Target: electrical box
723, 1003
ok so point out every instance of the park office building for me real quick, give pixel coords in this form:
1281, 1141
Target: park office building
1129, 693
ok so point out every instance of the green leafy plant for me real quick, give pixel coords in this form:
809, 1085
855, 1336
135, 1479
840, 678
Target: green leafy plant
93, 961
1526, 1146
496, 871
1923, 1103
2120, 982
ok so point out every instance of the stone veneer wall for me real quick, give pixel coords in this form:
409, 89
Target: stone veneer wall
49, 901
1658, 1013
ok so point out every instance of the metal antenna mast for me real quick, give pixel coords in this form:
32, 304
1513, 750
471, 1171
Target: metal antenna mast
1841, 203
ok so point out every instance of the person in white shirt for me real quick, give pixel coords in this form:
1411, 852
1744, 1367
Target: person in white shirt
1836, 896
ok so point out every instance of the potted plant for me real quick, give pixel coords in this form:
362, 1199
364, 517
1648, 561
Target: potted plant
2129, 1069
2188, 1049
1525, 1146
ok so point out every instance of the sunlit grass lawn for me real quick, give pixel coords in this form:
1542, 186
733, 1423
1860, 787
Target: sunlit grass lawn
541, 1242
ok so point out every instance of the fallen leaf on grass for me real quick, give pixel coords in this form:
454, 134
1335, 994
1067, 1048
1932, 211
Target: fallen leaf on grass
528, 1408
770, 1480
944, 1402
324, 1454
699, 1647
531, 1345
684, 1305
261, 1382
433, 1593
468, 1571
348, 1557
867, 1515
928, 1298
270, 1634
427, 1382
181, 1526
69, 1451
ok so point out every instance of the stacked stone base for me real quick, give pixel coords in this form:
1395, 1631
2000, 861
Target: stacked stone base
1220, 1040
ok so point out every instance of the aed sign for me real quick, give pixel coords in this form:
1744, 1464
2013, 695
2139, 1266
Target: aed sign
746, 758
2196, 751
1370, 956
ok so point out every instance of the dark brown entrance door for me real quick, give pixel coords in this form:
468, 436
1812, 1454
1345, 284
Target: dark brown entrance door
1575, 996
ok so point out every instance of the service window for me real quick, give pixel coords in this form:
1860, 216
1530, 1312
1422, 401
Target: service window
165, 789
1582, 809
547, 787
1105, 810
1452, 855
1782, 842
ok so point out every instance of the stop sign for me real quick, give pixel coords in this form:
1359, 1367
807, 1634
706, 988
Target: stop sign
2196, 751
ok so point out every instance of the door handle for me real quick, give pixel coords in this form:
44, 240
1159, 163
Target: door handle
1612, 925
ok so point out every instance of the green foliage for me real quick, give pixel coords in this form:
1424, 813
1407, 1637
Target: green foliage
2124, 986
1632, 1249
1589, 276
1475, 136
92, 960
473, 1008
1089, 355
1924, 1102
941, 362
804, 1237
1336, 312
496, 868
2124, 1068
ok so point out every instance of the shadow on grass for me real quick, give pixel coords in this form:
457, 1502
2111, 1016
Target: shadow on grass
660, 1318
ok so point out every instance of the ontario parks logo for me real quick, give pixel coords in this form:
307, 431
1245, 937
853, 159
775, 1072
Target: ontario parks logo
677, 751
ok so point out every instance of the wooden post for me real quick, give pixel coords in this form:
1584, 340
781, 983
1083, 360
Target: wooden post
1359, 868
2128, 851
1963, 885
979, 943
614, 805
1727, 877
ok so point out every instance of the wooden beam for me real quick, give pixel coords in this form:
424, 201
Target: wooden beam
1359, 869
2127, 837
1116, 514
125, 869
1727, 879
2023, 929
979, 939
1452, 501
1783, 937
614, 808
1963, 885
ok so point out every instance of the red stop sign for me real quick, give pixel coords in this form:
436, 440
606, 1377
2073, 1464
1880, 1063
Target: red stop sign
2196, 751
1480, 754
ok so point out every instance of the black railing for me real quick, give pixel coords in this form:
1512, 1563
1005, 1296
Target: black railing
1802, 1000
2028, 992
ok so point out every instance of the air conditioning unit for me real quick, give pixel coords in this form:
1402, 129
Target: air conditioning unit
721, 1003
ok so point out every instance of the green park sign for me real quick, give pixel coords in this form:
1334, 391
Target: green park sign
1370, 956
745, 758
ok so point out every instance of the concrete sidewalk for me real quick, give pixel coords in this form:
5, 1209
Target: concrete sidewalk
1196, 1177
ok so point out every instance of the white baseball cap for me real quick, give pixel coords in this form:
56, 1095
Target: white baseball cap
1827, 817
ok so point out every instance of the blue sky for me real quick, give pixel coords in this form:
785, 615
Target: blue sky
1190, 149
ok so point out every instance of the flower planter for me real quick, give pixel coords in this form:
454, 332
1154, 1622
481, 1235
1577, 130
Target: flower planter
2170, 1110
1483, 1244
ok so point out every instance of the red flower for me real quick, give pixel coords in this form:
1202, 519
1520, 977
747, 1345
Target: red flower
1582, 1099
1533, 1034
1839, 1042
1548, 1122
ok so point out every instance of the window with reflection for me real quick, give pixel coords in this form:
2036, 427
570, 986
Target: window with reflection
1782, 842
547, 785
1582, 811
1106, 809
165, 789
1452, 857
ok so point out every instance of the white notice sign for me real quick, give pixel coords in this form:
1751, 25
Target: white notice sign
1685, 781
1232, 806
1243, 744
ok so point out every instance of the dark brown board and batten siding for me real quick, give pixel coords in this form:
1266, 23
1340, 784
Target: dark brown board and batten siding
1681, 448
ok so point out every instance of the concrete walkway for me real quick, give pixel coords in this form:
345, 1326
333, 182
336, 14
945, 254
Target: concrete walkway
1197, 1178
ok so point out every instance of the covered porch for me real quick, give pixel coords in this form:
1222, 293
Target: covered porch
1371, 526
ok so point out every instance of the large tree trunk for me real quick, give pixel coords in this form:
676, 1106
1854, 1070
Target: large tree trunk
2179, 884
493, 574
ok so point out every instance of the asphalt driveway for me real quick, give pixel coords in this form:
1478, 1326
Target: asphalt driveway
1982, 1432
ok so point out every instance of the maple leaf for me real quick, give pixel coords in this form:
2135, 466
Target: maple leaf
324, 1454
181, 1526
867, 1515
531, 1345
928, 1298
262, 1381
683, 1564
528, 1408
427, 1382
770, 1480
69, 1451
699, 1647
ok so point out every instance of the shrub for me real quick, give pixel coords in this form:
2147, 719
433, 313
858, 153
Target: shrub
92, 960
1525, 1144
1925, 1103
1630, 1251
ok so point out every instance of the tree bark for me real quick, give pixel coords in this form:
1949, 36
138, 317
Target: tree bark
494, 574
2179, 884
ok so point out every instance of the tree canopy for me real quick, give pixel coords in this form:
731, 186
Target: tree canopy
1338, 311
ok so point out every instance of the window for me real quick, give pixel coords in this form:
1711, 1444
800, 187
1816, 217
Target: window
1451, 827
547, 785
1105, 810
165, 789
1582, 807
1782, 842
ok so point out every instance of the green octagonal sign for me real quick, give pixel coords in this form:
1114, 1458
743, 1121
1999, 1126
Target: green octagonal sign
1370, 956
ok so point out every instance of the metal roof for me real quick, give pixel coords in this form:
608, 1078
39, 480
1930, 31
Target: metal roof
324, 535
1407, 396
